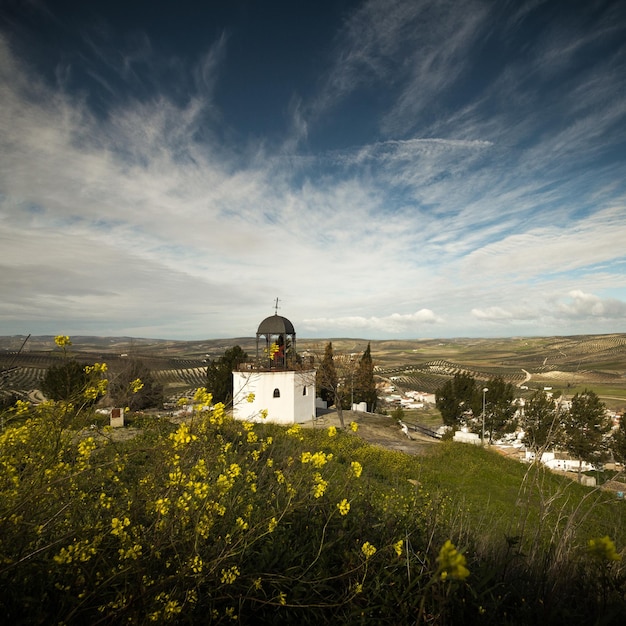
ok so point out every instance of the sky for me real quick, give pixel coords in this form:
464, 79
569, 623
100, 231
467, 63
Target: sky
395, 169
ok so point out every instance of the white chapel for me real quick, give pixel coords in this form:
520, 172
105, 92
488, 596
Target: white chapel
279, 383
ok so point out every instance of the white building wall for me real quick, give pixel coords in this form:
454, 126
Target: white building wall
296, 403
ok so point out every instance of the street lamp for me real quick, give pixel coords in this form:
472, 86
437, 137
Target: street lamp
485, 390
351, 383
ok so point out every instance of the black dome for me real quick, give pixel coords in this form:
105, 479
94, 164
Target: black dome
275, 325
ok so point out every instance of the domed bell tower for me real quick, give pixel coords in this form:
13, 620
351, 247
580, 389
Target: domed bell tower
278, 387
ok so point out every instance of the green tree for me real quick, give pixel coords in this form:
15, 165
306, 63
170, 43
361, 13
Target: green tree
124, 392
330, 385
65, 381
455, 397
365, 387
220, 374
499, 409
586, 425
326, 380
618, 441
540, 421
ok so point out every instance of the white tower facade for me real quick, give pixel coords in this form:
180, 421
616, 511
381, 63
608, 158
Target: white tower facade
278, 387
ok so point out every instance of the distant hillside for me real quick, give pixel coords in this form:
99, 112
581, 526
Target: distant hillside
568, 363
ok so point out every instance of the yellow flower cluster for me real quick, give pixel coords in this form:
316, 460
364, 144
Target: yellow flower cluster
294, 431
319, 486
182, 436
162, 506
398, 546
332, 431
21, 407
62, 341
136, 385
77, 551
226, 481
202, 398
196, 564
229, 576
317, 459
118, 525
96, 368
368, 549
132, 552
344, 507
452, 563
354, 427
357, 468
604, 549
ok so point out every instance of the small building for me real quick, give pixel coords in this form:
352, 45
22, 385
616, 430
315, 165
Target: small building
559, 461
279, 386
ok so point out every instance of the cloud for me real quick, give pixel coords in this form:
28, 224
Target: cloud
146, 211
587, 305
396, 323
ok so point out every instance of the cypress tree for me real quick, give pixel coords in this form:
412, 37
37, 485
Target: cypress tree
365, 388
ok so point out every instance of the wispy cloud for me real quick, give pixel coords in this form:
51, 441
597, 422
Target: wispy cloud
502, 210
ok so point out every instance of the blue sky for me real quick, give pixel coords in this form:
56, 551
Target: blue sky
387, 169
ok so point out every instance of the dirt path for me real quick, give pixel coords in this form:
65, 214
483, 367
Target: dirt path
380, 430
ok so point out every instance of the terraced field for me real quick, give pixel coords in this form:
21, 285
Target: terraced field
568, 364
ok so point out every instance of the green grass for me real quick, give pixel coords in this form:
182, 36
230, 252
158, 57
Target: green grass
199, 522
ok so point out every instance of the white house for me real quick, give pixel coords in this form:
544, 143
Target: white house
559, 461
278, 387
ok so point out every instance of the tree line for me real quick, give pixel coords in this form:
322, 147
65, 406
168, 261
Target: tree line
583, 429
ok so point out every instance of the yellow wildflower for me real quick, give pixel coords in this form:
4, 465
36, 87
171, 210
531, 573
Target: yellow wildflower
229, 576
368, 549
196, 564
320, 485
250, 397
332, 431
398, 547
86, 446
182, 436
272, 525
91, 393
452, 562
344, 507
202, 397
62, 341
294, 430
21, 407
117, 526
354, 427
136, 385
357, 468
603, 549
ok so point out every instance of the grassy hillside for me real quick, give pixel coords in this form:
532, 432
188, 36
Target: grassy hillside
216, 521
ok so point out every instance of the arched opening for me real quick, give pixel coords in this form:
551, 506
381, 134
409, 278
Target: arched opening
277, 392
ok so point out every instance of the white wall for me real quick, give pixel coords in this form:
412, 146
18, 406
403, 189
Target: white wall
293, 406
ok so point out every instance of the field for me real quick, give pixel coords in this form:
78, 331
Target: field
567, 364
